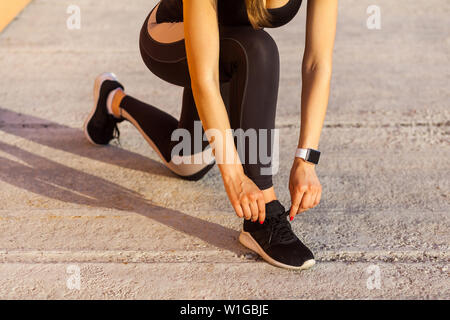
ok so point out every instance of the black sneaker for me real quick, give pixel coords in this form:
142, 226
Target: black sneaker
101, 127
275, 241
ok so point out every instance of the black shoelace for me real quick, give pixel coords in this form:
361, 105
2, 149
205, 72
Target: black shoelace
280, 229
116, 133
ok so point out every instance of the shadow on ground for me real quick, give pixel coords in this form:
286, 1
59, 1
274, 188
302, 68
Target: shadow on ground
53, 180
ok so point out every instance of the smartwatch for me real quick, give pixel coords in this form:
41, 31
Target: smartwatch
309, 155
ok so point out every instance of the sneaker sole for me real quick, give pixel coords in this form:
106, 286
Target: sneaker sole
247, 240
97, 85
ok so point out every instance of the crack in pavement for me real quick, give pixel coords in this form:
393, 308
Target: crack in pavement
282, 126
211, 256
377, 125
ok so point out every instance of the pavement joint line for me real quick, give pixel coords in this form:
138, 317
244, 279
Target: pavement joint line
134, 256
283, 126
207, 213
376, 125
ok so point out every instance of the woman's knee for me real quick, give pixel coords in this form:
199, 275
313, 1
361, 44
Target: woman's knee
263, 49
253, 47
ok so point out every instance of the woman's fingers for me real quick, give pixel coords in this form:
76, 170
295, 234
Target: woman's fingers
296, 200
246, 208
310, 199
256, 207
304, 187
255, 210
262, 209
307, 201
234, 200
303, 201
237, 207
246, 198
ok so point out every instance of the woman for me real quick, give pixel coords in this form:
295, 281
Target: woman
228, 65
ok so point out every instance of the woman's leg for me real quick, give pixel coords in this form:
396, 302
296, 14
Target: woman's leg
157, 127
253, 58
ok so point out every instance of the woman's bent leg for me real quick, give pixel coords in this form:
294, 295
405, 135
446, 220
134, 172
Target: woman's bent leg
159, 130
249, 61
254, 61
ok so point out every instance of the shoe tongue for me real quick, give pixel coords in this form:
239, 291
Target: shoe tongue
274, 209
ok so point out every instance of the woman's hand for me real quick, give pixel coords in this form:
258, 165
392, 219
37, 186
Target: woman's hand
304, 186
245, 197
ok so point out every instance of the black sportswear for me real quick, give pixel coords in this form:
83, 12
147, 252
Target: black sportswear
229, 12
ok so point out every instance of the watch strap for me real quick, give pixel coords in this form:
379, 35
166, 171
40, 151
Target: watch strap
301, 153
309, 155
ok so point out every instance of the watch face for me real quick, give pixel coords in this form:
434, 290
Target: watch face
313, 156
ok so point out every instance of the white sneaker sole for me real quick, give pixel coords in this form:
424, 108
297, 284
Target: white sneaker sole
97, 85
247, 240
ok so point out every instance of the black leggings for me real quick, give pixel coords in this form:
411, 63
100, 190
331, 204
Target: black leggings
249, 79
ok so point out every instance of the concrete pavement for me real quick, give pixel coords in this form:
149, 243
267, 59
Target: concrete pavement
136, 231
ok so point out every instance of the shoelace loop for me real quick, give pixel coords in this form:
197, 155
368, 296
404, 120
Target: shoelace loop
280, 228
116, 134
